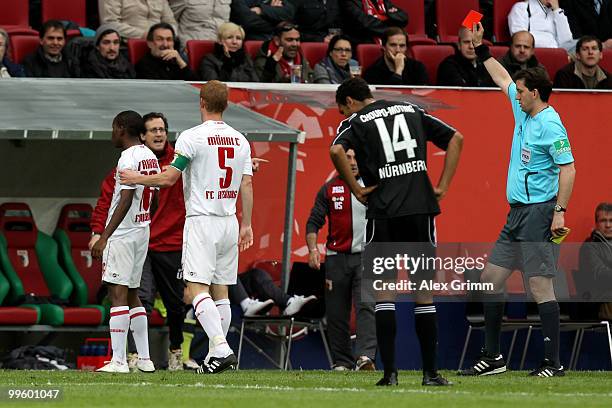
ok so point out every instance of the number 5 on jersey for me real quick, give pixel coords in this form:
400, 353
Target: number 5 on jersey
392, 144
225, 153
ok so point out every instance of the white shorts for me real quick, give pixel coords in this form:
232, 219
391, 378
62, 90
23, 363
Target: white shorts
124, 257
210, 249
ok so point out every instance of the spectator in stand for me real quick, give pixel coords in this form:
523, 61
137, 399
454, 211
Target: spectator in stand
463, 68
275, 60
521, 54
198, 20
395, 67
229, 61
256, 284
8, 68
132, 19
259, 17
335, 67
365, 21
50, 59
545, 20
585, 72
163, 61
105, 61
315, 19
590, 17
595, 260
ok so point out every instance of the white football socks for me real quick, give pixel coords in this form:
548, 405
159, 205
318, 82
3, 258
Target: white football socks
140, 331
119, 324
207, 314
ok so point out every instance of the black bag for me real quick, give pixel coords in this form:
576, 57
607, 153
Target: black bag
36, 358
79, 48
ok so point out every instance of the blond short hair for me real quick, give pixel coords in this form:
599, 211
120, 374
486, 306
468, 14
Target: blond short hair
226, 29
6, 38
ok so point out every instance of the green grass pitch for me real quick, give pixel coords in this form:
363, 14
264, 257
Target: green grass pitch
266, 388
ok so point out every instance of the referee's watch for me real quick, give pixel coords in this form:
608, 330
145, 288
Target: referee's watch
558, 208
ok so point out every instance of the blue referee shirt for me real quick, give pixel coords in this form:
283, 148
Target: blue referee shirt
539, 145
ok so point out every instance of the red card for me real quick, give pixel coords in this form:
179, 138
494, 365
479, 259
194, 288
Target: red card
472, 18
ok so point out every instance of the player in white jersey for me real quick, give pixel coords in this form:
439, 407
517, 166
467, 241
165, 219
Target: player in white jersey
124, 242
216, 161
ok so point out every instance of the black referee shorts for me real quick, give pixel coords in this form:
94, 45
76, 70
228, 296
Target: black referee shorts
417, 230
524, 242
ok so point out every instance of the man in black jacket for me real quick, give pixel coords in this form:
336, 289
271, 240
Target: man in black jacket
590, 17
315, 18
105, 60
394, 67
365, 21
259, 17
162, 61
463, 68
50, 60
595, 261
585, 72
521, 54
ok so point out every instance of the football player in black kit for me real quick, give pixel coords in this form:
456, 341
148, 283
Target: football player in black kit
390, 143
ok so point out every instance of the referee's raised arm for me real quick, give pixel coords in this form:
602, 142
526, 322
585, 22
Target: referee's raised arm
498, 73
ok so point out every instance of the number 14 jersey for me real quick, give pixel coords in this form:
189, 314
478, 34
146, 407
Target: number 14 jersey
213, 157
390, 144
139, 158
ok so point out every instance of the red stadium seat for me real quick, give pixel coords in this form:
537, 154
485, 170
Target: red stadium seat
137, 48
501, 9
606, 62
367, 54
498, 51
417, 40
553, 59
72, 235
416, 16
69, 10
24, 315
15, 13
314, 52
18, 316
20, 30
432, 56
450, 15
29, 261
22, 46
197, 49
252, 47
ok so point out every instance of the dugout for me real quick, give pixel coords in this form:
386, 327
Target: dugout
55, 137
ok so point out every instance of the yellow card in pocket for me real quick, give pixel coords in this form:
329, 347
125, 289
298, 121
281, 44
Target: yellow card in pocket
560, 238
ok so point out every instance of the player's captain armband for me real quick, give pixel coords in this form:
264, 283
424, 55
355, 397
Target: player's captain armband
562, 146
180, 162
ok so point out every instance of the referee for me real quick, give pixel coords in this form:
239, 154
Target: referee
540, 180
390, 144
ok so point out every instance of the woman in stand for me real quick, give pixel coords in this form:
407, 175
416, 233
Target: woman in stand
8, 68
229, 62
335, 67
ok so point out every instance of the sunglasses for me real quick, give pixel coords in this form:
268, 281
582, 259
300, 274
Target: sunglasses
284, 27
